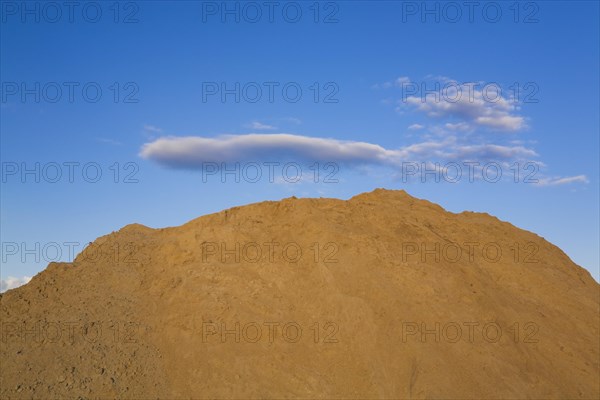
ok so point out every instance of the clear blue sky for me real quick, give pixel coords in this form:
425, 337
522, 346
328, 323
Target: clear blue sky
528, 93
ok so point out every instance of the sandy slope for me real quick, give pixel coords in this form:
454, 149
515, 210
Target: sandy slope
371, 309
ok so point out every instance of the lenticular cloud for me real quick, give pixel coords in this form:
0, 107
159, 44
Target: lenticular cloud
191, 151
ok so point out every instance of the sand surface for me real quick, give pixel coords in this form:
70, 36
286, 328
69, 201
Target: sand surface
381, 296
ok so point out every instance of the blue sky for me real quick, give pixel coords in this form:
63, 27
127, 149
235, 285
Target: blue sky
153, 95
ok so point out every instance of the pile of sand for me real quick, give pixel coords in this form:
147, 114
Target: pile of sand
380, 296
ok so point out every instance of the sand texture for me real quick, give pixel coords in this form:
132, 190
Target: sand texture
308, 298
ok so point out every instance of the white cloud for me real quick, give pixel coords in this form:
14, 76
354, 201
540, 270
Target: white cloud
401, 80
152, 128
397, 82
460, 127
415, 127
109, 141
293, 120
11, 282
260, 126
191, 151
440, 78
556, 181
473, 112
472, 104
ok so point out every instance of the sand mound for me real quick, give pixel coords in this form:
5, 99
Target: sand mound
380, 296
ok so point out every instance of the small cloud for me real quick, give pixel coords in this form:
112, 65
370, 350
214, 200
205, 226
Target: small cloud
260, 126
460, 127
109, 141
384, 85
397, 82
415, 127
11, 282
472, 104
440, 78
557, 181
401, 80
293, 120
152, 128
